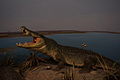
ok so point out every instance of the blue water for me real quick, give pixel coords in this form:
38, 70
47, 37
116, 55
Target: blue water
104, 43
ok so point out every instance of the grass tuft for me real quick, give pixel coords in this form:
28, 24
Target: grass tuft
69, 73
31, 62
111, 74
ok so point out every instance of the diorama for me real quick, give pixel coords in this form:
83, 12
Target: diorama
59, 40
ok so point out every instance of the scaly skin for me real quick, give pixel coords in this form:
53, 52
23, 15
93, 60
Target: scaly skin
66, 54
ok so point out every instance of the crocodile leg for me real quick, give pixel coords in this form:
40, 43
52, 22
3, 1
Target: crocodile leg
88, 66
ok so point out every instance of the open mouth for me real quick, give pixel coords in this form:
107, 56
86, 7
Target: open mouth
35, 40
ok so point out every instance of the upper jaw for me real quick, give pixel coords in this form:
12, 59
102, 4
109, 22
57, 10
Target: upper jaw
30, 33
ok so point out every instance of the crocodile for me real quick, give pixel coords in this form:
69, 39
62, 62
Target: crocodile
66, 54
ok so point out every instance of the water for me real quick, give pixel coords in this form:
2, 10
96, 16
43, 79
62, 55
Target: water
104, 43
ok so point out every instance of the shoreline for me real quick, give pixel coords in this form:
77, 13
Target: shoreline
19, 34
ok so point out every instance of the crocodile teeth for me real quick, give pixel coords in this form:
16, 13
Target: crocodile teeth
18, 43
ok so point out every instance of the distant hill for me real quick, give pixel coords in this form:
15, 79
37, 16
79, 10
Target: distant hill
18, 34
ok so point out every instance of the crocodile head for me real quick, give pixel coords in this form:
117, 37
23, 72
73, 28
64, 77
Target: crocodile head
39, 43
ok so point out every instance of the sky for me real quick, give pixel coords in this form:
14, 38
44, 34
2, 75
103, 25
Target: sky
82, 15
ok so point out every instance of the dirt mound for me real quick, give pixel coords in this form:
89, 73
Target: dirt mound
8, 73
45, 72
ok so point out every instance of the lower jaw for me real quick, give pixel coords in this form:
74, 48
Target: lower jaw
27, 45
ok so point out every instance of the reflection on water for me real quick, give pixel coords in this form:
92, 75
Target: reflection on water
103, 43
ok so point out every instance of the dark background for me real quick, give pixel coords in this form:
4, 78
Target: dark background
83, 15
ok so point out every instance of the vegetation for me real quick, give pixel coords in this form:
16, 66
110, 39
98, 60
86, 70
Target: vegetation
69, 74
31, 62
111, 74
